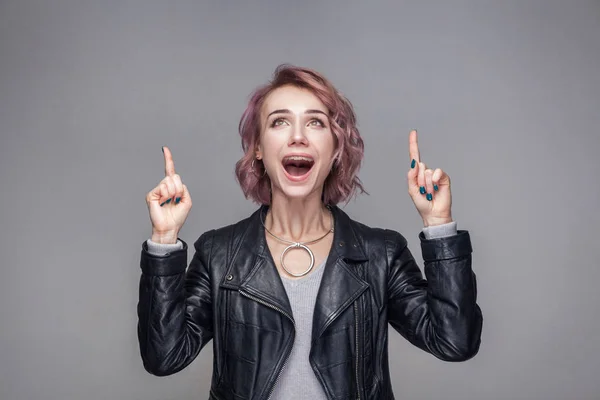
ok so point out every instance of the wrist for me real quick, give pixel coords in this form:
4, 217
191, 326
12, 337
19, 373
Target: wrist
437, 221
165, 238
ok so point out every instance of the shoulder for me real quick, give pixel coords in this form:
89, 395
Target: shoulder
376, 239
225, 235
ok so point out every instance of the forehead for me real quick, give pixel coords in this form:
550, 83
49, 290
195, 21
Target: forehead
292, 98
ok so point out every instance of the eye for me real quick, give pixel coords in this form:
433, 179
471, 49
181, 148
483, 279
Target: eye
317, 122
277, 122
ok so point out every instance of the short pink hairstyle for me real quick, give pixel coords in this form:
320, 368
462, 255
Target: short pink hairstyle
342, 182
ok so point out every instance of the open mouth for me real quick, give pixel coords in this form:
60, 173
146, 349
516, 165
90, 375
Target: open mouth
297, 166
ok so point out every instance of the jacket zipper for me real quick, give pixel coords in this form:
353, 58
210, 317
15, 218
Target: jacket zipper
294, 337
356, 340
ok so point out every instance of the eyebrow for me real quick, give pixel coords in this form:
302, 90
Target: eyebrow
286, 111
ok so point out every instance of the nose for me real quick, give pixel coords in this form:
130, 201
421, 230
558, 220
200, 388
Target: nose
298, 136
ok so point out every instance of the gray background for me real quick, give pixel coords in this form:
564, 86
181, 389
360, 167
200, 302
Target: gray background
505, 95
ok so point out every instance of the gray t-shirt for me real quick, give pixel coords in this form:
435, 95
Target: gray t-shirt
297, 380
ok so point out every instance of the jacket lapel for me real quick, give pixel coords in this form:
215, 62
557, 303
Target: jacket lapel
340, 285
252, 269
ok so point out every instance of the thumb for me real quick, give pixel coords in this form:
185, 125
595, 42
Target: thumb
153, 198
412, 179
186, 198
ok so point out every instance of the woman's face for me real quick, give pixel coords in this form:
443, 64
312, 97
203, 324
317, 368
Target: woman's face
296, 142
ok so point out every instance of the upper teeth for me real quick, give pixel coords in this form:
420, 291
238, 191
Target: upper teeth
299, 158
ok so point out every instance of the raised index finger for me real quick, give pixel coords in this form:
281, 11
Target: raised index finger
169, 165
413, 146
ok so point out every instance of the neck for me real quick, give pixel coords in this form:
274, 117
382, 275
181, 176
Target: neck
298, 220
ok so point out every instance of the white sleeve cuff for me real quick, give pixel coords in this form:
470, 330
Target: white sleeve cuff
438, 231
160, 249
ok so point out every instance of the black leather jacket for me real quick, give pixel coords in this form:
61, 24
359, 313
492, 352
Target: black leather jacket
233, 294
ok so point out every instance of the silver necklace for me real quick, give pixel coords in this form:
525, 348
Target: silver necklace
298, 245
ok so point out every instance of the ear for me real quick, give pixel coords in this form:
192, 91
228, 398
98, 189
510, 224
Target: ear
258, 147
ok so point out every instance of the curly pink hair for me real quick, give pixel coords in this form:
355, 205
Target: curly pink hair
342, 182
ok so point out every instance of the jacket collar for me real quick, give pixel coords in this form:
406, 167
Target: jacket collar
253, 271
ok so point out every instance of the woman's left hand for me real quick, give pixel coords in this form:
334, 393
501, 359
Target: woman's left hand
429, 189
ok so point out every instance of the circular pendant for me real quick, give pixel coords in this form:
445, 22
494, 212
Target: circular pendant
294, 246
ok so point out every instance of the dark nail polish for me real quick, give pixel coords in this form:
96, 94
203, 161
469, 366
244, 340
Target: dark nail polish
177, 200
436, 188
422, 189
163, 204
168, 201
429, 196
413, 163
163, 149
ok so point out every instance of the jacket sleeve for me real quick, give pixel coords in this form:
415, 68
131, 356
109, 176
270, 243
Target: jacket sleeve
439, 315
174, 308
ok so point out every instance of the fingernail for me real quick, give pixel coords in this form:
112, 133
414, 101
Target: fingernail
163, 204
429, 196
168, 201
422, 189
163, 149
413, 163
435, 187
177, 200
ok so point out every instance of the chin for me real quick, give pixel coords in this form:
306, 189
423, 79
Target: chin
295, 192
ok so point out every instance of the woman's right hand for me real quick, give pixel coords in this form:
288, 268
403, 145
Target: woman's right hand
168, 217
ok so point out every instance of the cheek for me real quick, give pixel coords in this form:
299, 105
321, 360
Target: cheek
328, 145
270, 149
268, 145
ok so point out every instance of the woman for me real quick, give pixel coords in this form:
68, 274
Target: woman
297, 297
